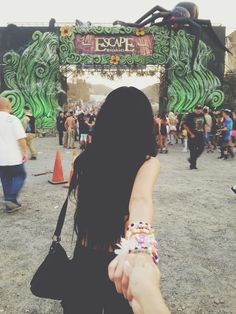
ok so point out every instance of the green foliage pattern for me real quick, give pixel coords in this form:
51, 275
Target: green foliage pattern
32, 79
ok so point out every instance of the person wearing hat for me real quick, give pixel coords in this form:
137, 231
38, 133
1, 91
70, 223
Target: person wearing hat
195, 125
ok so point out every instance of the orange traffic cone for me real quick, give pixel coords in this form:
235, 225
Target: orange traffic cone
74, 155
57, 177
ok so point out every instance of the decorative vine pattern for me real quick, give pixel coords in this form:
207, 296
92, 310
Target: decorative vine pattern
32, 79
188, 87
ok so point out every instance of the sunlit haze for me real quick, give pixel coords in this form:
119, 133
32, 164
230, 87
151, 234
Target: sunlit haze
106, 11
139, 82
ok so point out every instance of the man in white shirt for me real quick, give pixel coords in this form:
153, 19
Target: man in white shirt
13, 154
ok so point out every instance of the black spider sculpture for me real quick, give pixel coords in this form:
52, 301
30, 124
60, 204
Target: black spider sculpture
184, 13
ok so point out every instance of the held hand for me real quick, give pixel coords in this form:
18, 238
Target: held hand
131, 272
116, 272
139, 279
144, 277
144, 286
192, 135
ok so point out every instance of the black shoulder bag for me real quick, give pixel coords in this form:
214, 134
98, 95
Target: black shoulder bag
51, 278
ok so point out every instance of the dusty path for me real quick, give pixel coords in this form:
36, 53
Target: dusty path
195, 222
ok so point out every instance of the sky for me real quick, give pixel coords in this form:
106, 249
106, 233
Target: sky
31, 12
107, 11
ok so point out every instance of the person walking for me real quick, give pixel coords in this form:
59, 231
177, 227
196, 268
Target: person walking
195, 126
13, 155
91, 122
172, 122
163, 133
83, 130
65, 133
60, 126
30, 132
101, 221
225, 132
208, 130
70, 126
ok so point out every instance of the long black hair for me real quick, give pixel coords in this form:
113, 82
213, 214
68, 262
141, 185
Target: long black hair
104, 173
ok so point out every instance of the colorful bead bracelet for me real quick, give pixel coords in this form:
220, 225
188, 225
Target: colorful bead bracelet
139, 239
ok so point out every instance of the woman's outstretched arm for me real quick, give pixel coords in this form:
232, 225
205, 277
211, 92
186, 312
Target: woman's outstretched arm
141, 207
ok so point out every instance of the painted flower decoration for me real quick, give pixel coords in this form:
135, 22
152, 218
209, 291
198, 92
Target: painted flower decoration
115, 60
140, 32
66, 31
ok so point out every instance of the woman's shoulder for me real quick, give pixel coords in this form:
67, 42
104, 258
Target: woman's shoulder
151, 165
146, 178
153, 161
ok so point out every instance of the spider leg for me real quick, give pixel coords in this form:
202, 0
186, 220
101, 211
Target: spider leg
153, 18
210, 31
145, 22
121, 23
156, 8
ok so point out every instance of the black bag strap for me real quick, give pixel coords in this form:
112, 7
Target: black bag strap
61, 218
60, 221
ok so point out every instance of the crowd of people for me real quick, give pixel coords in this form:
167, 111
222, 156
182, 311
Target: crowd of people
200, 129
76, 126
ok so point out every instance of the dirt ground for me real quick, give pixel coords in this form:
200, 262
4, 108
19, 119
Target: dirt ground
195, 224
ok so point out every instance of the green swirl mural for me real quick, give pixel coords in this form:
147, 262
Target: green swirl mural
188, 87
32, 79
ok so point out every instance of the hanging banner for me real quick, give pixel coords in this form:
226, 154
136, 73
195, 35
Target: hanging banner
124, 45
114, 46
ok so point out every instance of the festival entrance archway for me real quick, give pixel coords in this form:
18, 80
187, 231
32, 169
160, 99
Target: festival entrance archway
33, 77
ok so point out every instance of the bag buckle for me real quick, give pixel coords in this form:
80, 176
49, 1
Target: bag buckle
55, 238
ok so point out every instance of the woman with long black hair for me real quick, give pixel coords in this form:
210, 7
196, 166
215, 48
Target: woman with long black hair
104, 174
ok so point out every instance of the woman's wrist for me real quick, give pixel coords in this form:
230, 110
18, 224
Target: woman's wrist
154, 304
139, 238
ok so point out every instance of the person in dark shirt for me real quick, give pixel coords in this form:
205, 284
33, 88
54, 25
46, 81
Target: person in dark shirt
83, 129
30, 132
60, 126
195, 125
91, 123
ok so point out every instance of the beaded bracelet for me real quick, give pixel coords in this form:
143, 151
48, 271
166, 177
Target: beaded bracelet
146, 244
139, 239
140, 227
